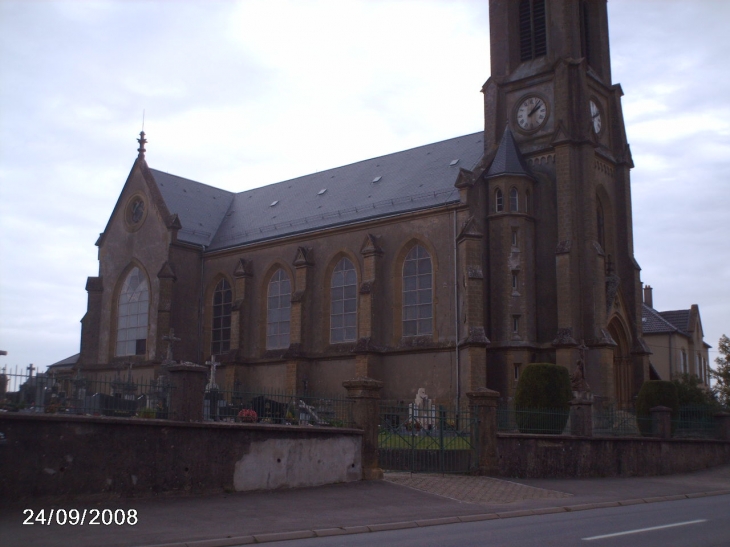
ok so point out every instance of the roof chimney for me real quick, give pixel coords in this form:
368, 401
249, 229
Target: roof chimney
648, 300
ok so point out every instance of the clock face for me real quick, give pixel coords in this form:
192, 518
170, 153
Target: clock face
532, 113
595, 117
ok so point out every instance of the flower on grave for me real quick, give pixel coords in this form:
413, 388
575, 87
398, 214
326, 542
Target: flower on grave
247, 415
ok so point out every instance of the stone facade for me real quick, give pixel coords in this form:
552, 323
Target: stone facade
529, 241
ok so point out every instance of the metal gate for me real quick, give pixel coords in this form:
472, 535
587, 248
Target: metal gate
434, 439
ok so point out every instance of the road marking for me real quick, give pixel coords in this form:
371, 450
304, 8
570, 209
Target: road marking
645, 530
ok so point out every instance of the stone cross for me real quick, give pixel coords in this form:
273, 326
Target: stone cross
170, 339
578, 381
30, 368
211, 381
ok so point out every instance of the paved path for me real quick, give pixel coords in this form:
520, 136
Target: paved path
483, 490
401, 501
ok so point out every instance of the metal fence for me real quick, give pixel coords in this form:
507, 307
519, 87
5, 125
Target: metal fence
541, 421
277, 407
614, 421
435, 439
695, 422
692, 421
103, 396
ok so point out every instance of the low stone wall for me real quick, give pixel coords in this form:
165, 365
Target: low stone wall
545, 456
60, 456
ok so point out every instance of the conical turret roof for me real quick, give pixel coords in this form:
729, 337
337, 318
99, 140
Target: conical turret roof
508, 160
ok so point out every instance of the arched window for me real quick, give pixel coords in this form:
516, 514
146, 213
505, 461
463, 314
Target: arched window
278, 310
417, 293
132, 315
528, 205
533, 35
343, 303
221, 331
498, 201
514, 200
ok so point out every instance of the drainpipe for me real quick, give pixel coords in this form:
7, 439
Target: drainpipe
671, 353
200, 307
456, 319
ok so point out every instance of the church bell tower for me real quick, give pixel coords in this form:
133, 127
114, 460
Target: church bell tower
558, 200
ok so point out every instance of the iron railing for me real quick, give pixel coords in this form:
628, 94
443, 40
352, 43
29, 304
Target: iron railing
695, 421
429, 438
98, 396
532, 421
277, 407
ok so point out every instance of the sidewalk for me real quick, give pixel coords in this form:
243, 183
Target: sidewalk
400, 501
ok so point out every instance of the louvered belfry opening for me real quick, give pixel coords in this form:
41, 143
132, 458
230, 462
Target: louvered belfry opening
533, 34
585, 42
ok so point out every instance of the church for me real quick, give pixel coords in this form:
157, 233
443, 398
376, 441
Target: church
448, 267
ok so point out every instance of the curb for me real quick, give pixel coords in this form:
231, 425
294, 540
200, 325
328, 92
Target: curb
345, 530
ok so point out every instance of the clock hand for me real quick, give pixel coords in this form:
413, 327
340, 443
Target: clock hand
538, 105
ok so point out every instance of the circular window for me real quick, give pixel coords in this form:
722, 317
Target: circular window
135, 212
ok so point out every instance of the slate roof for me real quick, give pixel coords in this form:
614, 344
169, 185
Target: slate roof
199, 207
67, 362
660, 322
410, 180
508, 160
678, 318
653, 323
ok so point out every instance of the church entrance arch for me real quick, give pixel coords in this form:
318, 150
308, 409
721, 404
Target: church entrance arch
623, 388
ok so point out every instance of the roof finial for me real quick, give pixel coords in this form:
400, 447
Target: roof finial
142, 141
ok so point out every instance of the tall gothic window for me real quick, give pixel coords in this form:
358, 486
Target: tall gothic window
343, 303
278, 311
498, 201
514, 200
417, 293
533, 35
221, 331
132, 315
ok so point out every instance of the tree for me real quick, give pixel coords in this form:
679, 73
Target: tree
691, 391
722, 373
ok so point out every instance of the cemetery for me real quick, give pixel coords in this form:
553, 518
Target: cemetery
185, 432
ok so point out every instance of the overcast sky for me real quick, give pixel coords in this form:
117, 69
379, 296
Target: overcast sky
243, 94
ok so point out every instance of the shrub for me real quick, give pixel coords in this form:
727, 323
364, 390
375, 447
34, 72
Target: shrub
655, 393
543, 398
691, 391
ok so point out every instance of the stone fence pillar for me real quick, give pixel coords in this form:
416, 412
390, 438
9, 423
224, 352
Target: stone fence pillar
483, 405
722, 421
188, 389
661, 422
581, 417
365, 393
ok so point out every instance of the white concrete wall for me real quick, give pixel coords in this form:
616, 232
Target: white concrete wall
290, 463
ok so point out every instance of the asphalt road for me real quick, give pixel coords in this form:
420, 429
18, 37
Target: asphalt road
701, 522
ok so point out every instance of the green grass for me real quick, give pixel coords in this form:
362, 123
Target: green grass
417, 442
